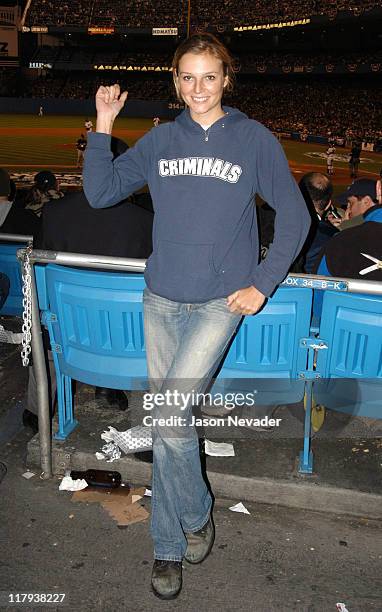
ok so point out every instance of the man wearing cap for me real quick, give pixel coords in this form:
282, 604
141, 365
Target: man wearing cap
124, 230
14, 219
5, 208
44, 190
317, 191
356, 252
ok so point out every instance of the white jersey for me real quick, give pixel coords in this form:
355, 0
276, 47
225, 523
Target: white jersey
330, 155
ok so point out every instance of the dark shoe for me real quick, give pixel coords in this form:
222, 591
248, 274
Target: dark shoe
112, 398
199, 543
166, 579
30, 419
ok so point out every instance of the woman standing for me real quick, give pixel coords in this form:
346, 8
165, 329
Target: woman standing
203, 171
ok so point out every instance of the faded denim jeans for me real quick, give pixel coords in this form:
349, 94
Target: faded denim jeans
184, 345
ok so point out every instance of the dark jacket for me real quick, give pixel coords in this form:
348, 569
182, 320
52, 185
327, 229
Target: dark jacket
71, 225
21, 221
342, 256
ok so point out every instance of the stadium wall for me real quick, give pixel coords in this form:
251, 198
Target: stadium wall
55, 106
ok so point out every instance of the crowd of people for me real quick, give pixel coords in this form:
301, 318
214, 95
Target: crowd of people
259, 11
278, 60
243, 62
291, 105
316, 106
144, 14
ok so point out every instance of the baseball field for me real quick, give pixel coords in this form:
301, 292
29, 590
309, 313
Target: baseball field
31, 143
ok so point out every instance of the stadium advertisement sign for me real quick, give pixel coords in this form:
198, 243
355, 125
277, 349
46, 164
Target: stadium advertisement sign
100, 30
8, 32
122, 67
164, 31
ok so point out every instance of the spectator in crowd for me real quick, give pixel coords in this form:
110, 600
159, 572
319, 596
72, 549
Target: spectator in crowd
5, 207
45, 189
355, 252
122, 231
71, 225
317, 191
14, 219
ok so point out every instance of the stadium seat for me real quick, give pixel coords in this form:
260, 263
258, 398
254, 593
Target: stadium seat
344, 370
10, 266
95, 324
266, 350
351, 372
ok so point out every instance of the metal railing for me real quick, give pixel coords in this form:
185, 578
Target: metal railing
138, 266
15, 238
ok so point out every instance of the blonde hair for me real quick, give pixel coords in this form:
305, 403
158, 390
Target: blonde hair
205, 43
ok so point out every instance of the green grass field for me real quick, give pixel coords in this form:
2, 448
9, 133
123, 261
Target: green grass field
31, 143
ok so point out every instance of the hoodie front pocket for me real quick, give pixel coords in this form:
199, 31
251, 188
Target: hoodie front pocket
177, 264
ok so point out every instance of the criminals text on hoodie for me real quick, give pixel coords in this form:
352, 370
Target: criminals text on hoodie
200, 166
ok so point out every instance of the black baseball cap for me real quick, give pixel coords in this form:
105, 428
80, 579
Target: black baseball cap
45, 179
361, 187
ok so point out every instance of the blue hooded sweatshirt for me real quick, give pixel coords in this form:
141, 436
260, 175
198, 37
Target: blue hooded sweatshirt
203, 185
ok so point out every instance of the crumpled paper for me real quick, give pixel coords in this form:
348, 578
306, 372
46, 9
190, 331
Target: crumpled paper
110, 452
131, 441
219, 449
239, 508
68, 484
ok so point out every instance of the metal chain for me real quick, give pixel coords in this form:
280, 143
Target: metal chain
27, 307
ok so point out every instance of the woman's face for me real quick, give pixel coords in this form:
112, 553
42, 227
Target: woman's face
200, 82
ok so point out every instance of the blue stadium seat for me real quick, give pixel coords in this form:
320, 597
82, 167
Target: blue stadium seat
352, 370
10, 266
95, 324
266, 353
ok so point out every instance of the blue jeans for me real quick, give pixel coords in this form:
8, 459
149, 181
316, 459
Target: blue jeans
184, 345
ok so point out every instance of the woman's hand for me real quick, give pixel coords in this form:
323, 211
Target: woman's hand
109, 103
246, 301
